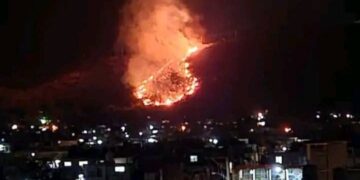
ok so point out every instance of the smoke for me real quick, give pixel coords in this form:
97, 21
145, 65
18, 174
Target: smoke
156, 32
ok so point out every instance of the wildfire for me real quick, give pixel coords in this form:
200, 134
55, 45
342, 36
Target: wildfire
161, 36
170, 84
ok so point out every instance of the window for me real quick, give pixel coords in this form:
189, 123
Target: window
278, 159
67, 164
193, 158
82, 163
120, 169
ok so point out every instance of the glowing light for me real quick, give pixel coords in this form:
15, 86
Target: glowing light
123, 128
99, 142
278, 159
81, 140
82, 163
43, 120
193, 158
191, 51
57, 162
81, 177
54, 128
119, 169
2, 148
67, 164
140, 133
152, 140
183, 128
349, 116
261, 123
260, 116
32, 154
151, 127
14, 127
334, 115
287, 129
215, 141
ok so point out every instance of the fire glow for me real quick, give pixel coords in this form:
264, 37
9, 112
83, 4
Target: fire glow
162, 36
169, 85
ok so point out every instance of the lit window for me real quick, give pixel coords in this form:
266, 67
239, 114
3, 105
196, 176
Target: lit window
193, 158
119, 168
57, 163
215, 141
99, 142
82, 163
152, 140
67, 164
278, 159
261, 123
81, 177
155, 131
14, 127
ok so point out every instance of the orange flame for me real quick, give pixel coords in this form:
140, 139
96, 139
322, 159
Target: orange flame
172, 92
161, 37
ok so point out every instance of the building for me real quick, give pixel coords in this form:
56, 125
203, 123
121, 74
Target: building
268, 172
327, 156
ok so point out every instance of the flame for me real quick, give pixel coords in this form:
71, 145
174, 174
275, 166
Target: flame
162, 90
162, 35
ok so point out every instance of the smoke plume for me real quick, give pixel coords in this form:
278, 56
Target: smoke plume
156, 32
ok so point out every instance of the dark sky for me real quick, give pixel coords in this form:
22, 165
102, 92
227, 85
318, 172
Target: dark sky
288, 56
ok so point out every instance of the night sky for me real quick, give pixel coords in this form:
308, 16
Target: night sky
288, 56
